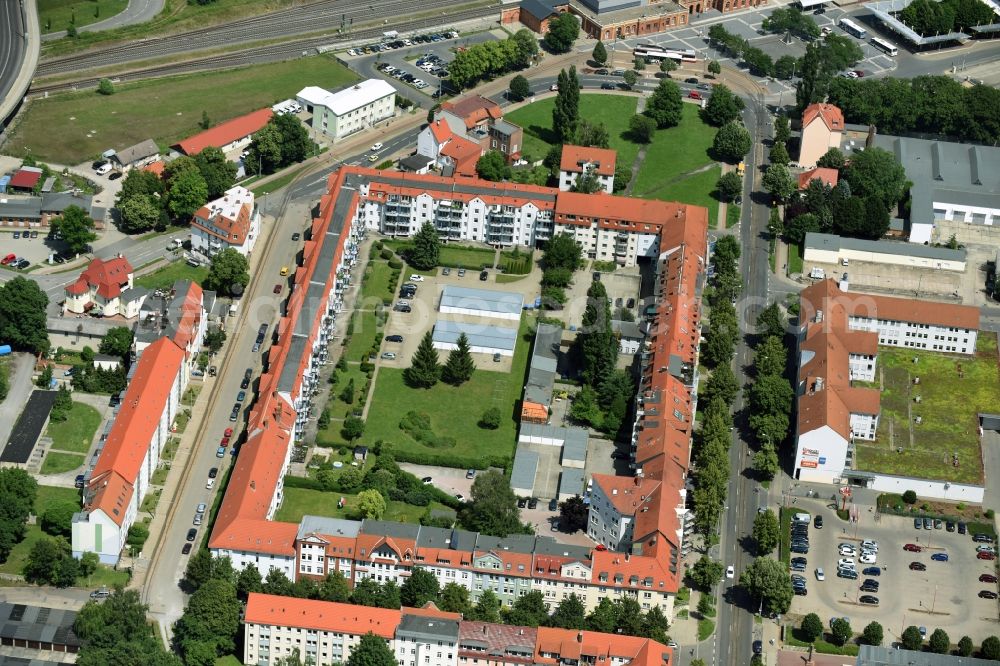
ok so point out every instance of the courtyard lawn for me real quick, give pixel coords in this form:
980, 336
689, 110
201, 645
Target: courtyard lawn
55, 15
696, 189
515, 261
612, 110
77, 432
299, 502
165, 277
953, 389
362, 336
453, 411
167, 109
377, 281
794, 259
58, 463
44, 498
675, 152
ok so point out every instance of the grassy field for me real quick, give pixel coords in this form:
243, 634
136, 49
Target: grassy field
166, 276
299, 502
675, 152
793, 637
166, 110
474, 258
794, 259
732, 215
77, 431
612, 110
46, 496
953, 390
57, 463
697, 189
453, 411
54, 15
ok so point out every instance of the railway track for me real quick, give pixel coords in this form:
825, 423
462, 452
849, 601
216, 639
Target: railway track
325, 15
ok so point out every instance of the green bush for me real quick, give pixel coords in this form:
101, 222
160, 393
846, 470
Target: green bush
910, 497
395, 263
418, 426
386, 253
300, 482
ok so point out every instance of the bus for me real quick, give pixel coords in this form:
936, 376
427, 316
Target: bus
653, 52
884, 46
853, 28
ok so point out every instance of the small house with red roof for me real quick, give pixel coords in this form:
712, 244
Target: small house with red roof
828, 177
25, 179
231, 221
579, 160
475, 119
822, 129
228, 136
105, 289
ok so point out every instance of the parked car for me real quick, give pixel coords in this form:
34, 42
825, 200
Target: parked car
691, 80
470, 474
210, 484
394, 338
912, 548
847, 573
928, 525
484, 276
694, 94
79, 481
819, 574
607, 86
938, 523
869, 586
985, 549
940, 557
917, 524
186, 549
277, 288
241, 396
416, 278
818, 521
192, 533
532, 502
918, 566
214, 472
950, 526
800, 591
868, 600
872, 571
987, 578
961, 527
220, 452
461, 272
388, 356
868, 544
987, 594
979, 537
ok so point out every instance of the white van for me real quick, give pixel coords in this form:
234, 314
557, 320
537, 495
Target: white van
104, 169
801, 518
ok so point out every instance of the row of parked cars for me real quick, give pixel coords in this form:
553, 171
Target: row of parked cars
14, 261
401, 75
403, 42
433, 64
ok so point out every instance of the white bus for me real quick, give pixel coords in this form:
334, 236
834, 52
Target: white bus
653, 52
853, 28
884, 46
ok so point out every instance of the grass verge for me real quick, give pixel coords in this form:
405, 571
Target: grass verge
77, 432
299, 502
59, 463
732, 216
793, 637
785, 535
55, 15
794, 259
165, 277
706, 628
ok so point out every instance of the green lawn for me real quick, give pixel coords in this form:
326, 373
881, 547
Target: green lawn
696, 190
453, 411
706, 628
474, 258
45, 497
953, 389
794, 259
377, 282
56, 15
167, 109
166, 276
674, 152
732, 215
612, 110
299, 502
77, 431
57, 463
793, 637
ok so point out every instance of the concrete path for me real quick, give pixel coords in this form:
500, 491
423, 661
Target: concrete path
19, 370
138, 11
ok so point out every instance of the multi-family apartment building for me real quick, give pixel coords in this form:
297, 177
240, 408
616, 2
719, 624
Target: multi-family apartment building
325, 632
357, 107
359, 199
838, 345
231, 221
471, 125
105, 288
577, 161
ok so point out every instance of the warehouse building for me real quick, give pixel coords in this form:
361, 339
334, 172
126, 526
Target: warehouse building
481, 303
483, 339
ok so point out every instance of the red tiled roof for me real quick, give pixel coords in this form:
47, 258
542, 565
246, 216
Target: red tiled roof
831, 116
571, 644
225, 133
574, 157
190, 316
270, 609
827, 176
465, 153
25, 179
106, 278
155, 167
577, 206
441, 131
473, 110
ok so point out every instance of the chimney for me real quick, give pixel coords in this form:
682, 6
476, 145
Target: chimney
637, 480
579, 637
253, 485
818, 386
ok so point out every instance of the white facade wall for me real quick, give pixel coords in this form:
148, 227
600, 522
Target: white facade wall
354, 120
960, 212
266, 644
427, 144
862, 367
918, 336
210, 244
606, 525
475, 349
263, 561
835, 257
629, 346
567, 179
820, 455
863, 426
414, 651
100, 534
939, 490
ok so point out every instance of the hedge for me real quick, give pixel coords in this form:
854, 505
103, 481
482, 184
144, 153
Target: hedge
303, 482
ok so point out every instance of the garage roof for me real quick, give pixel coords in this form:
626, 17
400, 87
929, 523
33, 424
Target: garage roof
571, 482
480, 335
522, 475
487, 300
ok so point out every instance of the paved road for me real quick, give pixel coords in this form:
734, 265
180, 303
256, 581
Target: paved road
13, 45
19, 368
138, 11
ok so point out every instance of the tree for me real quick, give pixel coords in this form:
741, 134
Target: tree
910, 497
569, 614
990, 649
519, 88
44, 560
43, 380
706, 573
573, 514
454, 598
493, 166
459, 367
765, 461
600, 53
215, 337
665, 105
965, 647
595, 340
353, 428
425, 252
566, 110
811, 627
722, 106
784, 67
592, 134
76, 229
729, 186
778, 182
491, 418
115, 631
667, 65
105, 87
562, 251
770, 394
911, 638
765, 532
731, 142
187, 192
939, 642
228, 273
770, 357
639, 64
527, 46
631, 77
872, 635
211, 620
138, 213
832, 159
264, 154
492, 509
199, 569
219, 173
487, 609
117, 342
791, 19
295, 142
58, 517
714, 67
721, 384
641, 129
767, 579
771, 322
528, 610
249, 581
841, 631
371, 504
371, 650
563, 31
779, 154
419, 588
759, 62
876, 172
424, 370
22, 315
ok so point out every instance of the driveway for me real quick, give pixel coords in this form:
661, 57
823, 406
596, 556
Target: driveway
19, 370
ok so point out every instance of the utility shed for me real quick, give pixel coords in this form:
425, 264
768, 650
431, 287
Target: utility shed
483, 339
481, 303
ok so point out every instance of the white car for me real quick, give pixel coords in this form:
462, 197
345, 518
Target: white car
819, 574
416, 278
868, 558
376, 147
730, 572
846, 563
847, 549
210, 484
868, 544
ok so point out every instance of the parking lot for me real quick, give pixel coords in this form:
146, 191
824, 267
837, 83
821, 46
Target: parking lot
944, 595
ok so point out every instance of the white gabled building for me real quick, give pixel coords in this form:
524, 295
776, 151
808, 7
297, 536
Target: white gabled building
231, 221
339, 114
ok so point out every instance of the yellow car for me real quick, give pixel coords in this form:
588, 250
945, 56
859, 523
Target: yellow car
373, 158
284, 270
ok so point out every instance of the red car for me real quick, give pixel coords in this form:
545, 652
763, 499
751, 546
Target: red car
912, 548
694, 94
224, 441
986, 556
228, 432
277, 288
987, 578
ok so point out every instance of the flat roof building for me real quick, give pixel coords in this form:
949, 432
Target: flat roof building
832, 249
483, 339
481, 302
339, 114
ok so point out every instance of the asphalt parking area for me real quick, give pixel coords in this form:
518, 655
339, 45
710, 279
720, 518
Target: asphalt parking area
944, 595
